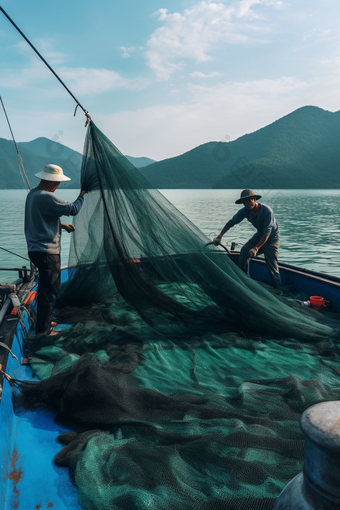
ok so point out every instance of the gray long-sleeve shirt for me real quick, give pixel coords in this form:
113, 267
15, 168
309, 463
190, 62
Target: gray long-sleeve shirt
42, 219
265, 222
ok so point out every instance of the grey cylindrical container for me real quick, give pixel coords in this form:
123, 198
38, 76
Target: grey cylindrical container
318, 487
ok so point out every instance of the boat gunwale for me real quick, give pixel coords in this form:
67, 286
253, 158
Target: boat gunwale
315, 275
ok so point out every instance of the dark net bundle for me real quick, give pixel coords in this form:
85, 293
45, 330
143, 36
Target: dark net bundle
183, 379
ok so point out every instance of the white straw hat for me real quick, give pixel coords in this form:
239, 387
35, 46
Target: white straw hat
52, 173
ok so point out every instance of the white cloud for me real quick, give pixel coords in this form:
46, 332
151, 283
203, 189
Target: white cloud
198, 74
320, 34
23, 78
45, 48
92, 81
235, 108
158, 132
196, 32
82, 80
245, 7
127, 52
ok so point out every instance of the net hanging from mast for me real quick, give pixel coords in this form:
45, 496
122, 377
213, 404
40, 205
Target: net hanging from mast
180, 285
183, 378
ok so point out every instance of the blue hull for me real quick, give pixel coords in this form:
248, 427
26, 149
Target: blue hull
304, 281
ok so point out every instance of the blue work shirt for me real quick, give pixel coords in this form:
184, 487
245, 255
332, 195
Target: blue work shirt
42, 219
265, 222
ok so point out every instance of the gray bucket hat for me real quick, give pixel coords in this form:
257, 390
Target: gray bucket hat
52, 173
247, 193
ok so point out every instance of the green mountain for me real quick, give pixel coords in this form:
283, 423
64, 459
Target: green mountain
195, 169
140, 162
35, 155
45, 147
38, 153
300, 150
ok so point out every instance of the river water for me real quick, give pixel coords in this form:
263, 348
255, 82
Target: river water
308, 222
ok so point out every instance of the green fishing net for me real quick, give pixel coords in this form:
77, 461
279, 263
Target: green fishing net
182, 378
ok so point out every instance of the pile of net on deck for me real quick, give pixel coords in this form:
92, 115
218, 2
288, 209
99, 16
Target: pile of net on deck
183, 379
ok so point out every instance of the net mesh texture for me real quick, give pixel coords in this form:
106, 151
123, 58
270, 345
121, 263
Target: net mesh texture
183, 379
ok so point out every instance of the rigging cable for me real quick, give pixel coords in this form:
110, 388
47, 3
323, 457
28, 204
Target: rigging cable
50, 68
12, 253
21, 164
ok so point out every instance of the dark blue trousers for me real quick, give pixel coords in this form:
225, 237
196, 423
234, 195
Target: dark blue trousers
270, 250
48, 287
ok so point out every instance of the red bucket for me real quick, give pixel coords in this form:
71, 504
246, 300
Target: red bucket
318, 302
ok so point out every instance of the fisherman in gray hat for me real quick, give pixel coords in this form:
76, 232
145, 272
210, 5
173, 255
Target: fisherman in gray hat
43, 210
267, 238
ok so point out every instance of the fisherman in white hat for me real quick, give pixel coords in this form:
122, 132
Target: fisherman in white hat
267, 238
43, 210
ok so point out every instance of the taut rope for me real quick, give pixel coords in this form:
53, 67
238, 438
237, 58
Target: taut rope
21, 164
88, 118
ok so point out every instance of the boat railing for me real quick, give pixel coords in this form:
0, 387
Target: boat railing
23, 272
7, 290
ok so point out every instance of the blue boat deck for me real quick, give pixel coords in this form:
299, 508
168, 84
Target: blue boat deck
28, 440
28, 443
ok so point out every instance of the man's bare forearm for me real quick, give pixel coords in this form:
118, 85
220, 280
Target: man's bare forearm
224, 230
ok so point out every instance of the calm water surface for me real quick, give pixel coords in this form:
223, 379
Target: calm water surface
308, 221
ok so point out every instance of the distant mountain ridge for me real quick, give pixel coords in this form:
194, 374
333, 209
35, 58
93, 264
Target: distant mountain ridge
35, 156
140, 162
38, 153
300, 150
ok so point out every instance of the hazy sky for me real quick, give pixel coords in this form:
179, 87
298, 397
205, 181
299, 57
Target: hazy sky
160, 77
